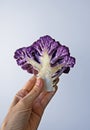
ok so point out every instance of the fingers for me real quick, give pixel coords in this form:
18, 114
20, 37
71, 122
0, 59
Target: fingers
44, 93
29, 85
34, 93
31, 91
18, 96
24, 91
27, 88
47, 97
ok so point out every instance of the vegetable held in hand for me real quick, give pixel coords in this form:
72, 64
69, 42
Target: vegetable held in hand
45, 58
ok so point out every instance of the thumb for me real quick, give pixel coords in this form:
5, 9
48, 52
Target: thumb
34, 93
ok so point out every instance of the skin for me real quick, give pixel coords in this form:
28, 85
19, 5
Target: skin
28, 106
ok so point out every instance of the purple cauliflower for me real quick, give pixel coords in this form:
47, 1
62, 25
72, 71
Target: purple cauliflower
45, 58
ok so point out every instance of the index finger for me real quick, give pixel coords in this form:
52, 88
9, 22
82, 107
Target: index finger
30, 83
27, 88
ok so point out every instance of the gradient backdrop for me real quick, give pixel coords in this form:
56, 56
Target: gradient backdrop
68, 21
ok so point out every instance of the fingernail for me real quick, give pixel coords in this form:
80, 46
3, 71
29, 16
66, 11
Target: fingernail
39, 83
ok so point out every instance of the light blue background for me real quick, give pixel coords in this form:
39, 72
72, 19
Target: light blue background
68, 21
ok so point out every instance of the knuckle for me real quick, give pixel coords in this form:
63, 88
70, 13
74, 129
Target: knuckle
23, 103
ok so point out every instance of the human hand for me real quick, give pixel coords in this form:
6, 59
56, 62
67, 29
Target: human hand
28, 106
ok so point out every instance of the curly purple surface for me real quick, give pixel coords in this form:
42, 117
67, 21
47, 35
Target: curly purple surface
45, 52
